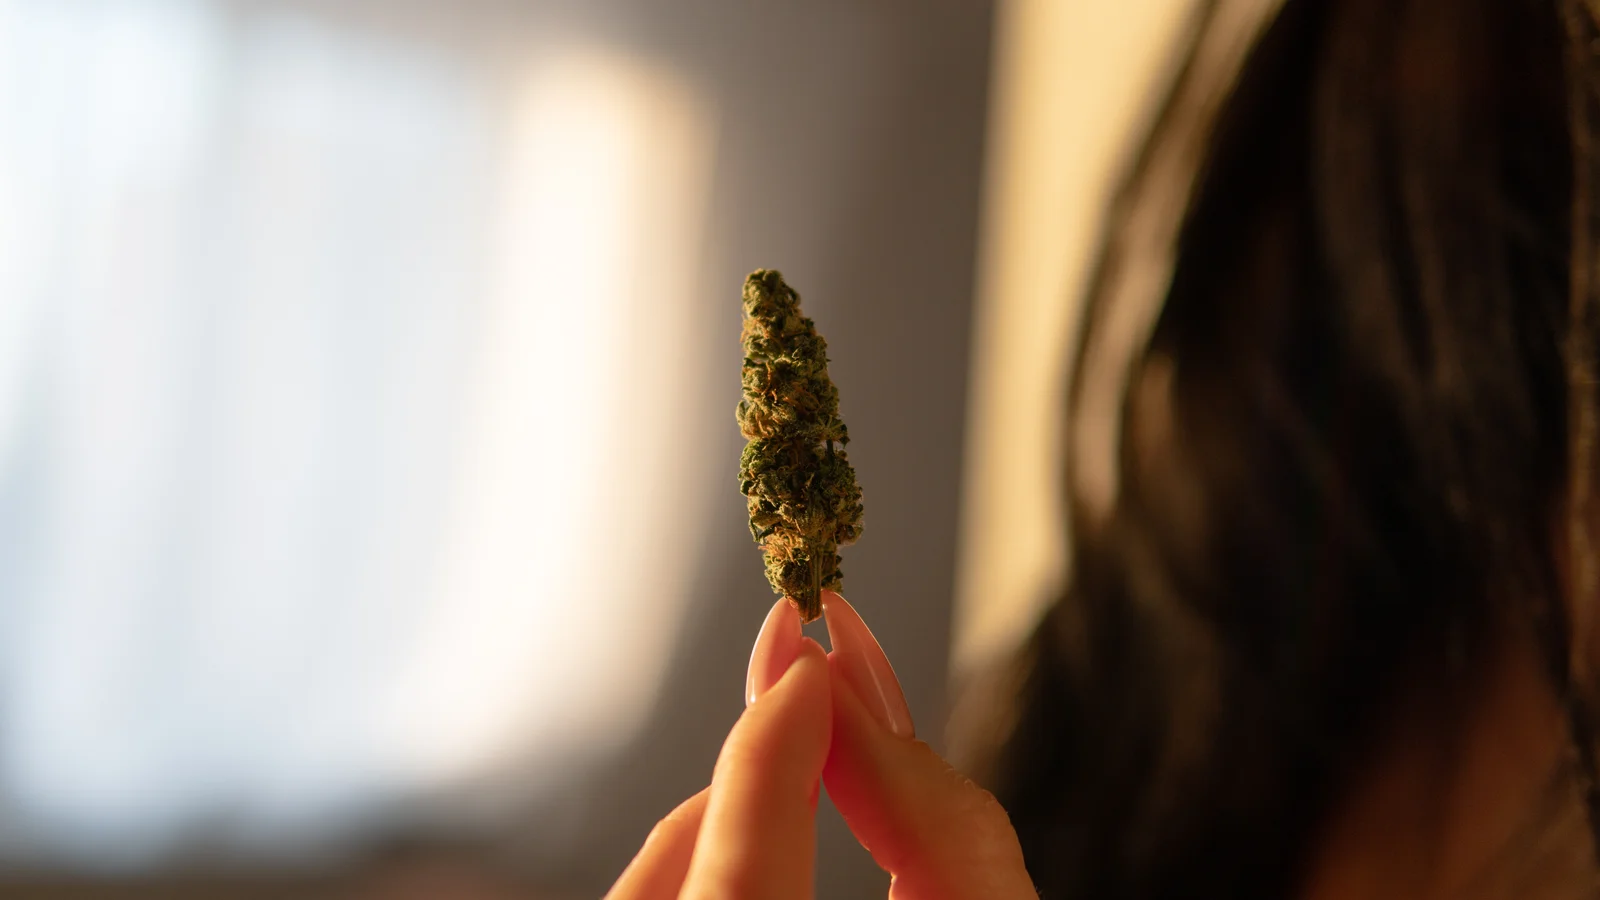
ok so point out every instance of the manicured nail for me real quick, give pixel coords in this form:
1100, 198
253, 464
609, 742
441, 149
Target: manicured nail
865, 666
776, 647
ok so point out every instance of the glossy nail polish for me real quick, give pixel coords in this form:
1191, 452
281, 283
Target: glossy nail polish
865, 666
777, 645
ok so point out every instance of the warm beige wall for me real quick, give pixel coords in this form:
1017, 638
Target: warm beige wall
1073, 80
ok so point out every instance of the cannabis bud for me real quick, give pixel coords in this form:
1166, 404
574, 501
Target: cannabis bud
800, 489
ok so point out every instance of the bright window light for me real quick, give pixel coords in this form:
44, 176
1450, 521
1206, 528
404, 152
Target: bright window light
558, 594
348, 416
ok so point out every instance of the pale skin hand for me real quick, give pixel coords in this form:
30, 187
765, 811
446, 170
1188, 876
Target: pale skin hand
751, 834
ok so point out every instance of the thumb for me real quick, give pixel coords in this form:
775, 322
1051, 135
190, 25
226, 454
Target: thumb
936, 832
758, 838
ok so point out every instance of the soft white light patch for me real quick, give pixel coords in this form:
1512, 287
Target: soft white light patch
16, 304
103, 114
575, 520
347, 432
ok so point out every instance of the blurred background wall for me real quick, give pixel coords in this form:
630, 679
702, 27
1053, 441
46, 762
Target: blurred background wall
367, 368
1075, 85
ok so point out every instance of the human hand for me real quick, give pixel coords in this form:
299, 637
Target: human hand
842, 718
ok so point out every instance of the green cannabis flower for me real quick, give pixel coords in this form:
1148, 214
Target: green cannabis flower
800, 489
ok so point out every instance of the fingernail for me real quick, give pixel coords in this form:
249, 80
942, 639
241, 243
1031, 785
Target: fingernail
865, 666
776, 647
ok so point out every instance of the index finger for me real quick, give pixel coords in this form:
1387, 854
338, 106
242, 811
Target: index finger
758, 838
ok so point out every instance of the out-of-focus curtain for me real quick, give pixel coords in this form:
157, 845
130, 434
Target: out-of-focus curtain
329, 353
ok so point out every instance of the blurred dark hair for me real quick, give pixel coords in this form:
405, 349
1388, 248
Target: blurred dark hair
1353, 444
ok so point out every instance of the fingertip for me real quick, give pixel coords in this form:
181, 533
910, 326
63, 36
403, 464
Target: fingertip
807, 704
805, 683
758, 829
774, 650
810, 672
809, 647
860, 659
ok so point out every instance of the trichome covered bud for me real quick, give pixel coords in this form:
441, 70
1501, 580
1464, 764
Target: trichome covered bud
800, 489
